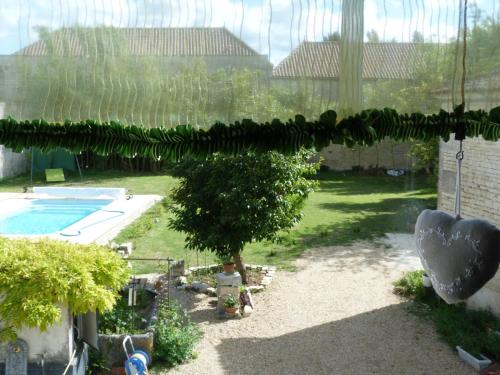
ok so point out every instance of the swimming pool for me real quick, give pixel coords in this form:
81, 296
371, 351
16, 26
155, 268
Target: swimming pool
46, 216
75, 214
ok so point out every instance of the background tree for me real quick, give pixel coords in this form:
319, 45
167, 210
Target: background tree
332, 37
225, 202
372, 36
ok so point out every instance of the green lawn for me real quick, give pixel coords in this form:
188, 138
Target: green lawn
347, 207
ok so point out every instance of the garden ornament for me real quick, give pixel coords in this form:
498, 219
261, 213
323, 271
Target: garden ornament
459, 255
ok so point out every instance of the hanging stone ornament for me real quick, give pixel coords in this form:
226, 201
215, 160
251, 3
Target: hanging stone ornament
459, 255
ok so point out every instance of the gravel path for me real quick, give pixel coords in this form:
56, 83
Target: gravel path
335, 315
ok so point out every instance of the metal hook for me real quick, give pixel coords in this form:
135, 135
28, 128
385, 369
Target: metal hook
460, 153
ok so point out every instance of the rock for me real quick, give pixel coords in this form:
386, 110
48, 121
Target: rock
125, 247
200, 287
181, 287
211, 292
182, 280
177, 269
272, 268
266, 280
247, 310
255, 288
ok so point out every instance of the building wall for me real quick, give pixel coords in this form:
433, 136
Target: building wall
480, 178
480, 195
12, 163
387, 154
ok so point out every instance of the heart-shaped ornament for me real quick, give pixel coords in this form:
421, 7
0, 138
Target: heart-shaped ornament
459, 255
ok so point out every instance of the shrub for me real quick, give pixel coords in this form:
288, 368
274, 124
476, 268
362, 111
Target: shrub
38, 277
175, 335
410, 285
125, 319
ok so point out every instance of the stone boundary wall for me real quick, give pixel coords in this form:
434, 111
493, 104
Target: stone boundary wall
387, 154
12, 163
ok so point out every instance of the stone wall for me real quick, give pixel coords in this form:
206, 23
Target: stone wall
480, 178
12, 163
480, 197
387, 154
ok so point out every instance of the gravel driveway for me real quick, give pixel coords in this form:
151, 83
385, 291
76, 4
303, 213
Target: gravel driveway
335, 315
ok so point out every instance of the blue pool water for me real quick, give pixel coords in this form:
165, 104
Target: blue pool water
45, 216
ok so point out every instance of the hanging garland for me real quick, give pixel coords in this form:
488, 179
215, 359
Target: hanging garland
365, 128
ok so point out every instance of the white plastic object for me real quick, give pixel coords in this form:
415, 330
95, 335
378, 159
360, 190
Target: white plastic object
477, 363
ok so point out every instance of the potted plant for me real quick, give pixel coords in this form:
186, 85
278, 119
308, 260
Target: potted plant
227, 263
230, 304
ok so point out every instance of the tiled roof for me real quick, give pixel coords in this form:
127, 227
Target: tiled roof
188, 41
321, 60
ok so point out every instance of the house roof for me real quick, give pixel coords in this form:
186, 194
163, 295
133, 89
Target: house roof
179, 41
320, 60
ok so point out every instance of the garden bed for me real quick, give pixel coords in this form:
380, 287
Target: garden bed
137, 321
203, 279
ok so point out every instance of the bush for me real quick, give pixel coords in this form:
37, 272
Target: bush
175, 335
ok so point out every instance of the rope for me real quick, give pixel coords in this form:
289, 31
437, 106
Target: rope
459, 157
460, 154
462, 86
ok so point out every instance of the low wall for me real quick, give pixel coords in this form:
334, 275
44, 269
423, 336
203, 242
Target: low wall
480, 197
387, 154
12, 163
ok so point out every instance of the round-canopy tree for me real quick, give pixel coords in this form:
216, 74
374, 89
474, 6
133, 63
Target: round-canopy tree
225, 202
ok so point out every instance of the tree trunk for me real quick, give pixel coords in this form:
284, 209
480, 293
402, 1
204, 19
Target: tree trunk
240, 267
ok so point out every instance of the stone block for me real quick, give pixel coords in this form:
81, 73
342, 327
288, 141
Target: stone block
222, 292
200, 287
266, 280
228, 279
177, 269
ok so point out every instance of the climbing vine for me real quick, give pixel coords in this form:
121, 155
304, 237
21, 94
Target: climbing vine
38, 278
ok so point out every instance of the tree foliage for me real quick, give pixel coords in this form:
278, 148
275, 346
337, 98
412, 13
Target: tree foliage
226, 202
39, 278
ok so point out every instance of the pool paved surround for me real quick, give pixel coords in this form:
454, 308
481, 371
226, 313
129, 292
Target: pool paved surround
99, 227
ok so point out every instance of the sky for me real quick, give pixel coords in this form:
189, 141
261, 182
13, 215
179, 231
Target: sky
271, 27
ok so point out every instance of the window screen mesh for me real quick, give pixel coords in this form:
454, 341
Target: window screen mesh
170, 62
